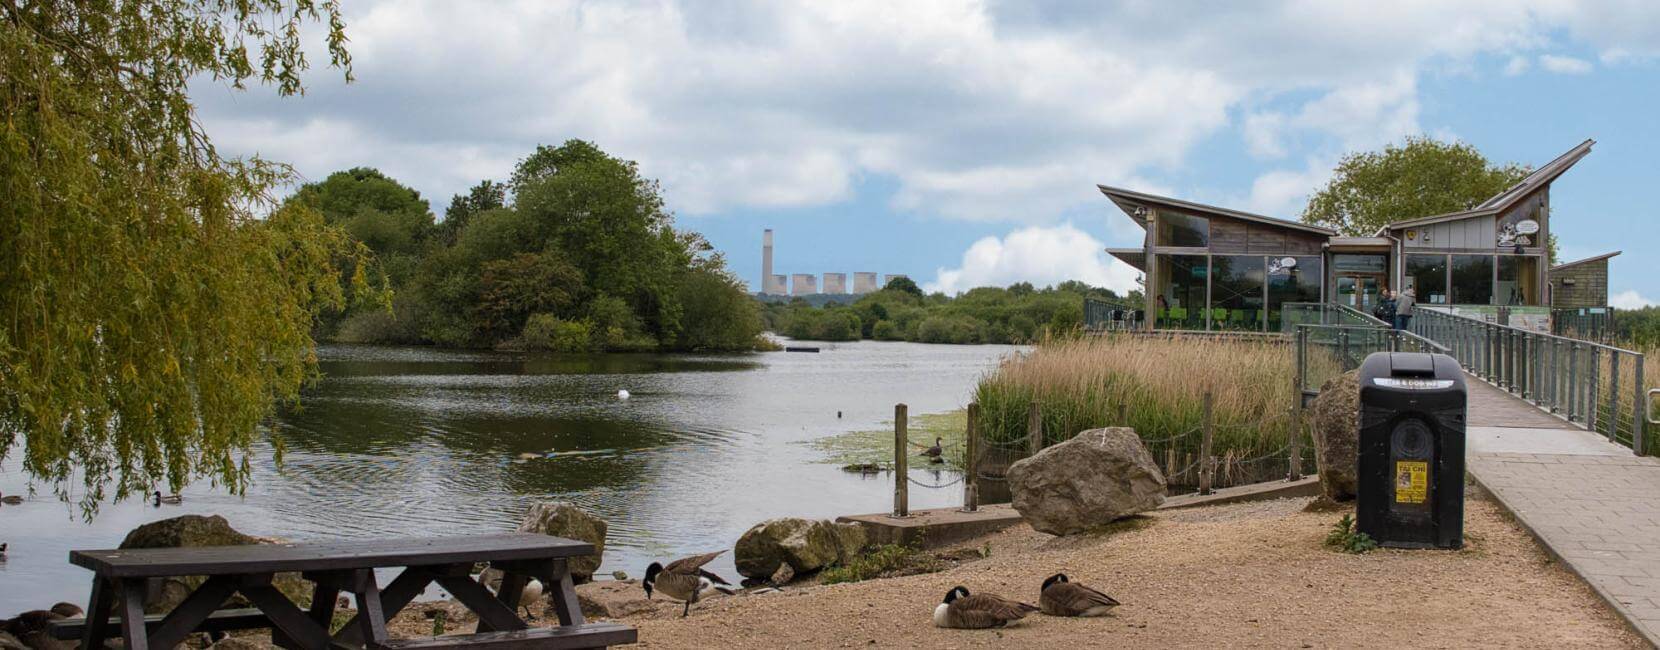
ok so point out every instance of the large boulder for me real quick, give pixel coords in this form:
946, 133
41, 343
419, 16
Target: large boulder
1337, 436
192, 531
806, 545
564, 519
1098, 476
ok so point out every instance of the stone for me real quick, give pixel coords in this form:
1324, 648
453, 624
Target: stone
1097, 477
1337, 436
565, 519
619, 575
783, 575
193, 531
806, 545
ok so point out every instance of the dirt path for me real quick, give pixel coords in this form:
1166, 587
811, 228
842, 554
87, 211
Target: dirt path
1251, 575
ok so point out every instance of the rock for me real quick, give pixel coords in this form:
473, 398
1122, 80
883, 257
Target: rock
806, 545
9, 642
621, 576
783, 575
1098, 476
564, 519
1337, 436
192, 531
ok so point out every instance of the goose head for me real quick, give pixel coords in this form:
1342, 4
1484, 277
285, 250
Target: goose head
1054, 579
651, 577
956, 592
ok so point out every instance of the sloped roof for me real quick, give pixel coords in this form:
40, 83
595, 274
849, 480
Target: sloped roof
1502, 201
1134, 257
1587, 260
1128, 200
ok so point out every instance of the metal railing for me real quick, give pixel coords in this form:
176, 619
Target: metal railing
1585, 323
1108, 315
1293, 314
1598, 387
1326, 351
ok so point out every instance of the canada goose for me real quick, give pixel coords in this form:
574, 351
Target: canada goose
11, 500
158, 498
933, 453
531, 594
685, 580
965, 611
1061, 597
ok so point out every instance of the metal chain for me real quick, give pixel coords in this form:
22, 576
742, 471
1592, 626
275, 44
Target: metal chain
934, 485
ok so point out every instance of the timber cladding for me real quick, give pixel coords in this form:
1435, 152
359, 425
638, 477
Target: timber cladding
1588, 286
1235, 236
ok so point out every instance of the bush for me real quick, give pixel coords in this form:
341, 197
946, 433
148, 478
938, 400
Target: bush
949, 329
1344, 537
546, 332
886, 330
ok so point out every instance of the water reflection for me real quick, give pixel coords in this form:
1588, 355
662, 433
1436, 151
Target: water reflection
414, 441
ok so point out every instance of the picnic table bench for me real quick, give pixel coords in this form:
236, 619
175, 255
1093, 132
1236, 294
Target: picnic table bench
334, 567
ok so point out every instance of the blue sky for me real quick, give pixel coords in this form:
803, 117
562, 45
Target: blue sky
959, 142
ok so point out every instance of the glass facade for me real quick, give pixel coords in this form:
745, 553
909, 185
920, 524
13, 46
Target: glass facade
1472, 279
1296, 283
1237, 296
1178, 229
1518, 280
1427, 276
1183, 282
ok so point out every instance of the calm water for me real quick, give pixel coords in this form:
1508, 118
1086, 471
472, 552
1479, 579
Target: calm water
414, 441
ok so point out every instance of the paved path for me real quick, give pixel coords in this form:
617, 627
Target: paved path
1591, 503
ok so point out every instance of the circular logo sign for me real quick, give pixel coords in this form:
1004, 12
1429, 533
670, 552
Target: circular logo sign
1527, 227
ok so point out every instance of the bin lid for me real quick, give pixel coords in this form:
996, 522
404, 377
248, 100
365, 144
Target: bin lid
1411, 364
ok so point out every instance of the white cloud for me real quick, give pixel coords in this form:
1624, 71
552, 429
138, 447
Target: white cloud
1629, 299
1040, 255
1564, 64
1516, 66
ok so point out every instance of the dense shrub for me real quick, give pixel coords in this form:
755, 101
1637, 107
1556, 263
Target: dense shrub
1018, 314
547, 332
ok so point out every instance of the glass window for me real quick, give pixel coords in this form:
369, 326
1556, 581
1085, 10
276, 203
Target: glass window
1518, 280
1472, 279
1236, 292
1426, 275
1181, 297
1177, 229
1299, 282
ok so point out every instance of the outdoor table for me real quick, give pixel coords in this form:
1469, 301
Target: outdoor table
337, 567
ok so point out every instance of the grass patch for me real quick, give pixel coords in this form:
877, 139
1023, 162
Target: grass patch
1344, 537
880, 561
858, 450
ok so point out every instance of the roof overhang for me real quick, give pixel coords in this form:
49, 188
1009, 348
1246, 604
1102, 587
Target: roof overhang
1502, 201
1359, 244
1134, 257
1129, 201
1587, 260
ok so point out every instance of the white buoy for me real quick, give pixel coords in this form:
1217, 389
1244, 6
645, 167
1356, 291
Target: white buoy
622, 394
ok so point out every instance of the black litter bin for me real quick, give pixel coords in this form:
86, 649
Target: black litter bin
1410, 491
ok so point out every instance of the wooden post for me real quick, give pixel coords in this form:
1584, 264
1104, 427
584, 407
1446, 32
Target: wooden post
1207, 465
1295, 473
1034, 427
901, 465
971, 464
1123, 415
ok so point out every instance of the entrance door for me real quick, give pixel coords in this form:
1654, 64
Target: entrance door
1359, 291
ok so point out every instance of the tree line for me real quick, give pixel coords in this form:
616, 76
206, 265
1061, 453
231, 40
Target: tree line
574, 252
901, 311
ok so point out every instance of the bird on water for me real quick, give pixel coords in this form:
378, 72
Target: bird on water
1059, 596
967, 611
11, 500
685, 580
933, 453
157, 498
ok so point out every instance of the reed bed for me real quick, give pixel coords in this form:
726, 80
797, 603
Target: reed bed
1161, 381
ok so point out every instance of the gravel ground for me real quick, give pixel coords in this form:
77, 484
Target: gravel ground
1249, 575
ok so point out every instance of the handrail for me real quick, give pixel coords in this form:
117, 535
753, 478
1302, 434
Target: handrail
1651, 393
1580, 381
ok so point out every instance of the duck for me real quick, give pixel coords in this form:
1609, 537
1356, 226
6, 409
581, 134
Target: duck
3, 546
685, 580
933, 453
963, 610
11, 500
531, 594
1059, 596
623, 394
158, 498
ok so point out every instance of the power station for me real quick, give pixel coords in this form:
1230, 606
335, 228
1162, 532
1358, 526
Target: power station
802, 284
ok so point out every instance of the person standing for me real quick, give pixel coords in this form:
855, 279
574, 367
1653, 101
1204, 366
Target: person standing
1385, 311
1403, 309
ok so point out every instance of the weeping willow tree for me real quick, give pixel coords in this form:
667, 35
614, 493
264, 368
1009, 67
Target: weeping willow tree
155, 304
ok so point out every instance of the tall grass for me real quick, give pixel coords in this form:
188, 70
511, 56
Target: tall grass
1079, 384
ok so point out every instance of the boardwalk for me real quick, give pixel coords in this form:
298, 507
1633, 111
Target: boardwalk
1590, 502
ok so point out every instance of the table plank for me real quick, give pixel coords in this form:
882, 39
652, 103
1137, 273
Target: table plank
326, 556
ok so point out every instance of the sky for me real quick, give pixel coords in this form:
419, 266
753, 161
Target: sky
960, 143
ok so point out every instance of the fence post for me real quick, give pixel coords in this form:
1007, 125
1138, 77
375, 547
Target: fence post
1123, 415
971, 464
1295, 473
1034, 427
1206, 467
1639, 413
901, 461
1614, 394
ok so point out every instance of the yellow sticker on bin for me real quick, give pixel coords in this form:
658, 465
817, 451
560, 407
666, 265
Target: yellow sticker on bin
1411, 481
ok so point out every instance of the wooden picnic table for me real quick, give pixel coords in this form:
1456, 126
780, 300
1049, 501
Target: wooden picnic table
336, 567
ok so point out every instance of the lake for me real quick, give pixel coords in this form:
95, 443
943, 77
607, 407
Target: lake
397, 441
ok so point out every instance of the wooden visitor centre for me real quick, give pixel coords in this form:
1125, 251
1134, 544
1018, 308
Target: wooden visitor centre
1218, 269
